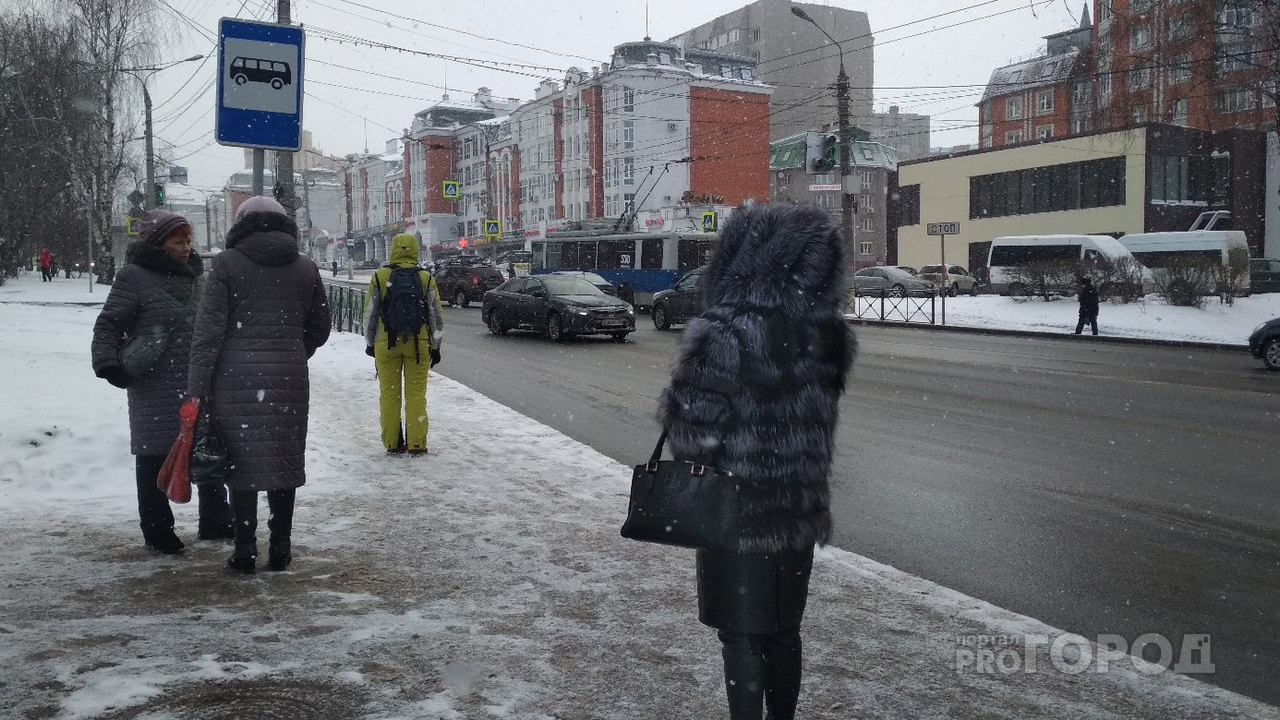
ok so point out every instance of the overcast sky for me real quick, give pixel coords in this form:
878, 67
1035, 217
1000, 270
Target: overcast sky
940, 71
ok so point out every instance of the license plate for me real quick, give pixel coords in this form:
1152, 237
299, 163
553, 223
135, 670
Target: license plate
613, 323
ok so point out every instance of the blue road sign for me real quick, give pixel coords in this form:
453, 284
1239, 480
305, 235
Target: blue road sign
493, 228
259, 85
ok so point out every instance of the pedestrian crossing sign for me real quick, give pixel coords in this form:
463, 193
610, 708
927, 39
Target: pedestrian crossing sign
708, 222
450, 189
492, 228
131, 226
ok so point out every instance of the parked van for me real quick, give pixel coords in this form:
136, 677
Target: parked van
1013, 251
1161, 249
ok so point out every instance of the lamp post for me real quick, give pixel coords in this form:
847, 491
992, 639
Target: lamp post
842, 115
149, 197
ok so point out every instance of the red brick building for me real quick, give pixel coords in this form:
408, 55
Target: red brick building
1041, 98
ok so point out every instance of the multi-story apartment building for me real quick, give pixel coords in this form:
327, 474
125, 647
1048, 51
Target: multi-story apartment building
1197, 63
796, 58
875, 166
1044, 97
907, 134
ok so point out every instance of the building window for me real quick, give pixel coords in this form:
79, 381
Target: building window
1139, 38
864, 247
1238, 15
1140, 78
628, 99
1179, 28
629, 171
1236, 100
1178, 179
628, 134
1012, 108
1269, 94
1051, 188
1104, 11
755, 35
1139, 6
1240, 56
1178, 113
1104, 80
909, 202
1044, 102
1138, 115
1180, 70
1013, 137
1080, 94
1044, 132
867, 224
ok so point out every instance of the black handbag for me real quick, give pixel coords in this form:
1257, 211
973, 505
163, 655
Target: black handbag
210, 462
140, 355
682, 503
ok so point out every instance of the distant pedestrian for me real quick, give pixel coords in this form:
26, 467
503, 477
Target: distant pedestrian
754, 391
46, 265
155, 295
626, 294
1088, 306
511, 270
262, 316
335, 268
403, 329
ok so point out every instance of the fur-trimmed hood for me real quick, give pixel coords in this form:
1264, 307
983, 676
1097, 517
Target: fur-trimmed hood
153, 257
268, 238
756, 384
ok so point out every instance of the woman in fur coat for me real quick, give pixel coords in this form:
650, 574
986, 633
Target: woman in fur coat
754, 391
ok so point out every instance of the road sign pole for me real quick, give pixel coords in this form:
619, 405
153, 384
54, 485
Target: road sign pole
943, 241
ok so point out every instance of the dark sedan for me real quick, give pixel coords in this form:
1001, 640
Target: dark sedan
1264, 343
679, 303
561, 306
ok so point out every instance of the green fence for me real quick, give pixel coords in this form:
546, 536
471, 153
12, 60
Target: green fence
347, 305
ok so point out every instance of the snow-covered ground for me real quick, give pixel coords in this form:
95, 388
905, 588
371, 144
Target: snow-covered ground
1149, 319
487, 580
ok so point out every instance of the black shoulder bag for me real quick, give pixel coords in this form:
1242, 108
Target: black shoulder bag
210, 462
682, 503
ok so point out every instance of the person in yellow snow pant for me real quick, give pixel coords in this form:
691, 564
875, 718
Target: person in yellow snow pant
402, 373
402, 365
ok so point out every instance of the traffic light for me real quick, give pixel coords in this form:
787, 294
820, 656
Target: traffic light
822, 152
159, 194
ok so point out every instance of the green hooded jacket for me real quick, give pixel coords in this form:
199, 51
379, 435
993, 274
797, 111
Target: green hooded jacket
404, 254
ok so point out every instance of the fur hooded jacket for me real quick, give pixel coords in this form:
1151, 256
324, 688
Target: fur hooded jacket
756, 384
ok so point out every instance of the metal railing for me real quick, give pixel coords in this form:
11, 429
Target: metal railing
347, 307
886, 308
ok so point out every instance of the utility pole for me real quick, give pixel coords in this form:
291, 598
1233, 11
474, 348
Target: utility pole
284, 160
149, 194
847, 194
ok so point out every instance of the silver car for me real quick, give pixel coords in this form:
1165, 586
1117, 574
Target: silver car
889, 281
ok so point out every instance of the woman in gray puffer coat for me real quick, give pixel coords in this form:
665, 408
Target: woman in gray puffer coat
263, 314
154, 295
754, 391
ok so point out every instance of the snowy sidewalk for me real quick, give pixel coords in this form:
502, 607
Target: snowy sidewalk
487, 580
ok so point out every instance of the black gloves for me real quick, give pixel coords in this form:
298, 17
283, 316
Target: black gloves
116, 376
368, 350
435, 357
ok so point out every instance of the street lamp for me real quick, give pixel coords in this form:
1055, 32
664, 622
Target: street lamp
142, 73
842, 114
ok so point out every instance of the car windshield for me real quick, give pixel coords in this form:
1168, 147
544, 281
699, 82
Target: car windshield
569, 285
931, 269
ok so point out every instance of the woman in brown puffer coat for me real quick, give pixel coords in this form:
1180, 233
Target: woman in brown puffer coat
262, 315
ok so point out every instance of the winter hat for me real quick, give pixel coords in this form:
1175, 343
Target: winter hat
158, 225
259, 203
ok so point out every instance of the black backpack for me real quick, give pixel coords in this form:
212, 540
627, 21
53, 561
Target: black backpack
404, 307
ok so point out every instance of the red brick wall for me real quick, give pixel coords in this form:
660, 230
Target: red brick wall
1028, 121
729, 141
592, 99
516, 200
439, 156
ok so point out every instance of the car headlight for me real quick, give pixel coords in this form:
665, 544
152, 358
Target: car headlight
631, 310
583, 313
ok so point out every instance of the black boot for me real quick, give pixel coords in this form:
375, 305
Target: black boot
244, 559
281, 524
244, 510
215, 513
165, 542
155, 515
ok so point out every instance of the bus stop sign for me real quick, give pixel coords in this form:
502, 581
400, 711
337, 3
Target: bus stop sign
259, 85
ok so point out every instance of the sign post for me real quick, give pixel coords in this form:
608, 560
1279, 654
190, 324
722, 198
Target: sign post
942, 230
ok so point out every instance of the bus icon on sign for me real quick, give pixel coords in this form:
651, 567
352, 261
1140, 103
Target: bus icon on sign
272, 72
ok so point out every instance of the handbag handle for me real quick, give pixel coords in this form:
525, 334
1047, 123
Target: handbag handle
652, 465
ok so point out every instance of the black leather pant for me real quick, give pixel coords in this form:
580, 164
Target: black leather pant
244, 509
762, 667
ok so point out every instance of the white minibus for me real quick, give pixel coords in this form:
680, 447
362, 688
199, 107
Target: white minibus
1014, 251
1159, 250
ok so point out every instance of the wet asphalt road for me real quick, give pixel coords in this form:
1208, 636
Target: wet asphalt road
1098, 487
